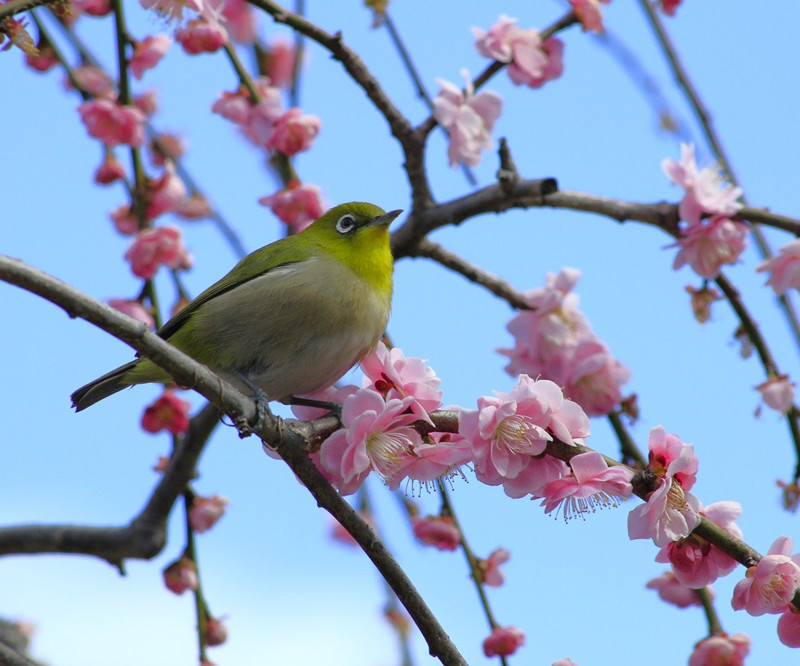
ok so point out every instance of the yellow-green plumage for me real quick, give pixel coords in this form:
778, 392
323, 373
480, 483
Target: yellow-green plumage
291, 318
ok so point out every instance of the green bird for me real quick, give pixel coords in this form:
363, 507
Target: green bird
290, 318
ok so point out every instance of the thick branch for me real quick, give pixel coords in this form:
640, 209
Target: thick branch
145, 536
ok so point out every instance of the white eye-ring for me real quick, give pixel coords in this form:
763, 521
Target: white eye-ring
345, 224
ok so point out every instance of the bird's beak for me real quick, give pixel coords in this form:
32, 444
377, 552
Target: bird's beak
386, 219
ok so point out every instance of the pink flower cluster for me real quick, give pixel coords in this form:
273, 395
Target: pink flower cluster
784, 268
155, 247
555, 341
297, 205
265, 122
770, 585
378, 434
778, 393
113, 123
711, 237
671, 512
169, 413
531, 61
468, 117
503, 641
206, 511
589, 14
721, 650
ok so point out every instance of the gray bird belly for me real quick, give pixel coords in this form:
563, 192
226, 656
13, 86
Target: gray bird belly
295, 329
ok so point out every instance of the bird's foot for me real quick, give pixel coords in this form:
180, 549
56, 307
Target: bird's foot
333, 408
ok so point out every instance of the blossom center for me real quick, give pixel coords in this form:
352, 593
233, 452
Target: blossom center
517, 434
386, 451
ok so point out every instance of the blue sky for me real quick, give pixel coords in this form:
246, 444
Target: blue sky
289, 593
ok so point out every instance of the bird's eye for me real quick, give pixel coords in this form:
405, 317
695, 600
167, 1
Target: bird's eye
345, 224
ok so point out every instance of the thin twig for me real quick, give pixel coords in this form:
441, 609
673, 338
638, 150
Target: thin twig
18, 6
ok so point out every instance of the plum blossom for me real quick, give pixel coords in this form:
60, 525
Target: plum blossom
44, 58
503, 641
133, 309
293, 133
155, 247
377, 435
669, 6
490, 567
172, 10
554, 340
169, 413
671, 590
770, 585
216, 632
148, 52
564, 661
206, 511
165, 147
110, 170
277, 62
695, 561
721, 650
441, 455
194, 207
508, 431
125, 220
240, 20
789, 628
778, 393
93, 80
670, 512
93, 7
255, 119
202, 36
709, 244
297, 206
113, 123
438, 531
591, 485
393, 375
468, 117
164, 194
531, 61
181, 575
784, 268
589, 14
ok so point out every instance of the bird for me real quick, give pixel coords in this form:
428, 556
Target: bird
290, 318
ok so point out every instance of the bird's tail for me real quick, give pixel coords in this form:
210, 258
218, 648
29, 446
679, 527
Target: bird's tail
102, 387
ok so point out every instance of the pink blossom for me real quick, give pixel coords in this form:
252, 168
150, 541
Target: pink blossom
469, 118
297, 205
166, 146
530, 61
133, 309
670, 512
148, 52
592, 485
589, 14
503, 641
706, 191
172, 10
442, 458
438, 531
194, 207
93, 7
721, 650
164, 194
155, 247
240, 20
778, 393
770, 585
256, 120
784, 268
181, 575
377, 435
671, 590
709, 244
169, 413
124, 219
216, 632
669, 6
44, 59
490, 567
278, 62
92, 80
112, 123
564, 661
206, 511
695, 561
508, 430
110, 170
202, 36
393, 375
293, 133
789, 628
147, 102
594, 378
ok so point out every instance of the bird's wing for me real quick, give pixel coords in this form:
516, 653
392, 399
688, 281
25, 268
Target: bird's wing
268, 258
